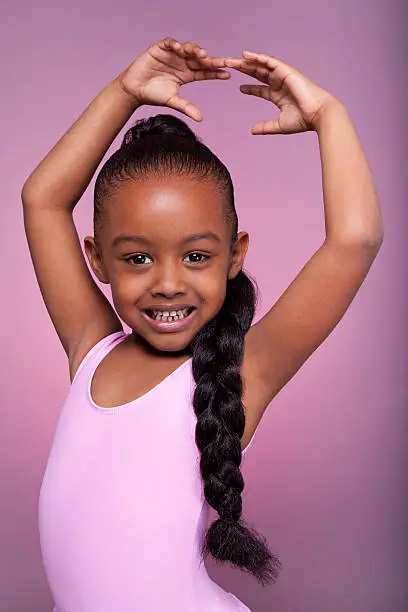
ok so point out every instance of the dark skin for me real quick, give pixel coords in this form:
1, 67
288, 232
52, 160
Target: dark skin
166, 211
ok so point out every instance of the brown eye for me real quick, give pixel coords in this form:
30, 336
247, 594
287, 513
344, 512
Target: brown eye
137, 256
199, 255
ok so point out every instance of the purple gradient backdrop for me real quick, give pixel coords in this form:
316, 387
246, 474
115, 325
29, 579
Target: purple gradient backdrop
326, 477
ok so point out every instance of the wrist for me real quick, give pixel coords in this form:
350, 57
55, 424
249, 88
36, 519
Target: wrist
327, 113
127, 97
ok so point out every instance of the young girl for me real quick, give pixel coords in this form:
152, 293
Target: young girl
155, 423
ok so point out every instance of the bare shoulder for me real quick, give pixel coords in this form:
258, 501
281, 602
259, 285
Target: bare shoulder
92, 335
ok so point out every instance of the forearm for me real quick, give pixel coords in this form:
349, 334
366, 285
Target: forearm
352, 209
63, 175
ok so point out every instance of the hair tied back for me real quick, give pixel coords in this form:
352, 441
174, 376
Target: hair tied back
158, 125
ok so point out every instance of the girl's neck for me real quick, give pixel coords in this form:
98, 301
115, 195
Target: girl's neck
137, 341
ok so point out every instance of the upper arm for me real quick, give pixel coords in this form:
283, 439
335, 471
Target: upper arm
73, 300
303, 317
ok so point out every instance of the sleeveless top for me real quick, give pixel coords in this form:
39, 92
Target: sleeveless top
122, 511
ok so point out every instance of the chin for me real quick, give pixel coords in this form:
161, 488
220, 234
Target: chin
164, 343
170, 345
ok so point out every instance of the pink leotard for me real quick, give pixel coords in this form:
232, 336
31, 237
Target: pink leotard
121, 508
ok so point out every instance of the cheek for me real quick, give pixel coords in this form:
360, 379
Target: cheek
213, 289
126, 288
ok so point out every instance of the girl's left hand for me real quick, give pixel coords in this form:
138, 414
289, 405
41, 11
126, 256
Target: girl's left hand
299, 100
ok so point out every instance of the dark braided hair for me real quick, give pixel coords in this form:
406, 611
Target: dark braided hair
164, 145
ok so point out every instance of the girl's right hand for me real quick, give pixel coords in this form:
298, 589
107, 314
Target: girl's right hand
156, 75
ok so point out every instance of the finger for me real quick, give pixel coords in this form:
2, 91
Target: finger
271, 61
250, 68
184, 106
169, 44
202, 75
267, 127
207, 62
239, 62
188, 49
276, 66
261, 91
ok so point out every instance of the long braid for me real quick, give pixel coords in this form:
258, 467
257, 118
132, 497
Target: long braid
217, 352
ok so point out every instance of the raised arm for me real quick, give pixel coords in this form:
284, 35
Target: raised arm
316, 300
49, 196
77, 307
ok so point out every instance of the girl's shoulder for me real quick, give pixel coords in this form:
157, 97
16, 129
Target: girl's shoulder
90, 341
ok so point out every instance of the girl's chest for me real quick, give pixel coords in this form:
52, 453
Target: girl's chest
119, 380
123, 377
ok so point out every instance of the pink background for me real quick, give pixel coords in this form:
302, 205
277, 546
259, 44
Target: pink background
326, 477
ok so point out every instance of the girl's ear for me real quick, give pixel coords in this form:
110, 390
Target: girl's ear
95, 260
238, 254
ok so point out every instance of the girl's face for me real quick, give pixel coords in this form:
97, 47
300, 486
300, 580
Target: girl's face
150, 258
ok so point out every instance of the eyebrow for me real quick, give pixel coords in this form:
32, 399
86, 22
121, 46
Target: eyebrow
141, 239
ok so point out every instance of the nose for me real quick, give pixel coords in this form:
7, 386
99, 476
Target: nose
169, 280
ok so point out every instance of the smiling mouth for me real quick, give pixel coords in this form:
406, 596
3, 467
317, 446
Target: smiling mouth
170, 324
179, 316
